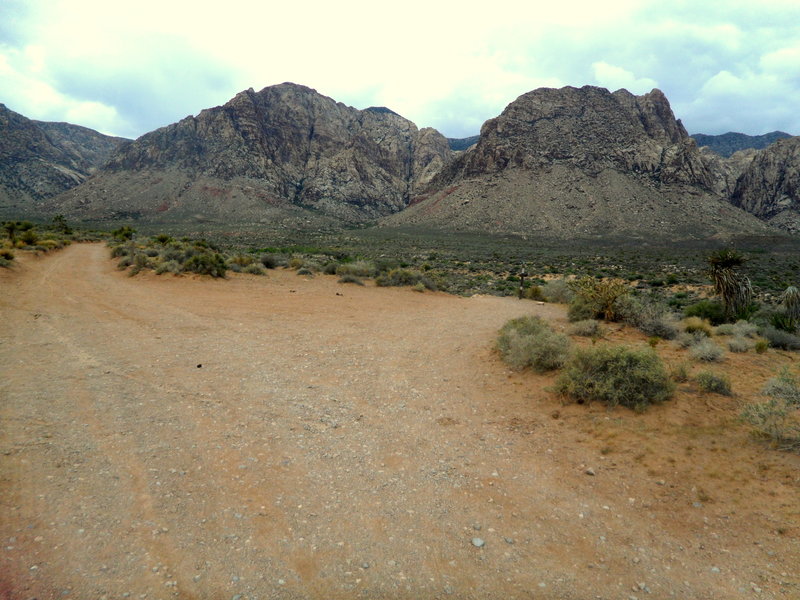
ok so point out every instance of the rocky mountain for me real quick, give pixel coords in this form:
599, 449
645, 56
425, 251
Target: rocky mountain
581, 162
39, 159
729, 143
770, 186
284, 152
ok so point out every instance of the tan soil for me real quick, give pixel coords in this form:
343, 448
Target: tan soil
286, 437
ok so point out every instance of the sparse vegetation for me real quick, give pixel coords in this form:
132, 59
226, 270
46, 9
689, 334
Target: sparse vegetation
530, 342
404, 277
616, 375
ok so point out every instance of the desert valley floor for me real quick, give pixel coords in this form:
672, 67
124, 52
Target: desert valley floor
292, 437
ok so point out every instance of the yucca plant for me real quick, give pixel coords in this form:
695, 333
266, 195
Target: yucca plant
731, 286
790, 299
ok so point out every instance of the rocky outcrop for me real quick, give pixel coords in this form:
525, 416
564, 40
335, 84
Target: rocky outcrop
770, 186
286, 145
727, 144
582, 162
39, 160
726, 171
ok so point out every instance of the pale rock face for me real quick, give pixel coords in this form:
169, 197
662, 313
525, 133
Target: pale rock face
298, 147
770, 186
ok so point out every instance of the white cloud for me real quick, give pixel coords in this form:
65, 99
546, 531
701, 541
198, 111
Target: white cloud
614, 78
440, 64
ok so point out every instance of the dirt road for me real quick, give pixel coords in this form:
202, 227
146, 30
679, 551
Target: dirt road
286, 437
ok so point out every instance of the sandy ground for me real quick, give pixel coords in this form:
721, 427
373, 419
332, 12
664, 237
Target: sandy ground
287, 437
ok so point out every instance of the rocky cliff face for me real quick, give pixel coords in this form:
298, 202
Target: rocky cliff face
581, 162
39, 160
770, 186
285, 145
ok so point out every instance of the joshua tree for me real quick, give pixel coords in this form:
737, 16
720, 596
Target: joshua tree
730, 285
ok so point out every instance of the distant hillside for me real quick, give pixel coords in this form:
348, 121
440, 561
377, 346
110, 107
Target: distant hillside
285, 154
39, 159
460, 144
581, 162
728, 143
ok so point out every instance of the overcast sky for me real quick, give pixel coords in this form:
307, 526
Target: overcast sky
128, 68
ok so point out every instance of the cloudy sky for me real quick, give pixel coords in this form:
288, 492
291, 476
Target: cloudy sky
127, 68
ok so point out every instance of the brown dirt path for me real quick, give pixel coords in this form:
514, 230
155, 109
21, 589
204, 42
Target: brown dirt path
286, 437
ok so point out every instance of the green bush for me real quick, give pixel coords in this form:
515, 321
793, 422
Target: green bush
254, 269
206, 263
580, 309
714, 312
602, 295
269, 261
714, 383
6, 254
616, 375
707, 351
530, 342
784, 386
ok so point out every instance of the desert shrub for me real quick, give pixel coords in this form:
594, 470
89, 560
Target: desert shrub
530, 342
557, 290
714, 383
739, 329
778, 338
163, 239
784, 386
687, 340
124, 233
419, 287
125, 262
707, 351
269, 261
170, 266
534, 293
648, 316
351, 279
242, 260
404, 277
359, 268
588, 328
305, 271
296, 262
762, 345
152, 252
601, 295
206, 263
6, 254
254, 269
330, 267
5, 263
697, 325
777, 418
679, 372
740, 344
580, 309
712, 311
616, 375
29, 237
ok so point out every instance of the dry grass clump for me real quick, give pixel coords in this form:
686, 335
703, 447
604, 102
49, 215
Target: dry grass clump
530, 342
404, 277
697, 325
358, 268
587, 328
